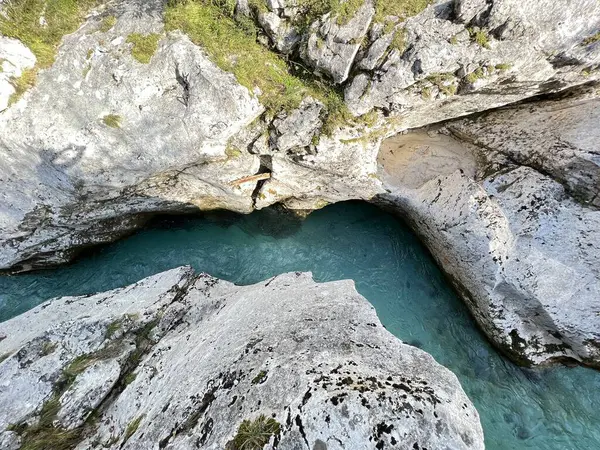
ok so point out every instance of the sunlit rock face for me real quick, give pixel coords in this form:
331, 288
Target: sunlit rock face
508, 204
180, 360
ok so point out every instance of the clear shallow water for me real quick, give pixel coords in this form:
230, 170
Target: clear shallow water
556, 409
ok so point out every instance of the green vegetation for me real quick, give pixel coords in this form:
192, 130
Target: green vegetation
144, 46
21, 20
475, 75
116, 325
592, 39
445, 82
232, 151
22, 84
112, 120
254, 435
426, 93
399, 8
132, 427
399, 40
44, 435
48, 347
503, 67
480, 37
260, 377
232, 45
107, 23
129, 378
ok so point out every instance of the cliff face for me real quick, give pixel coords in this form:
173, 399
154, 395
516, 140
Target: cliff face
153, 108
186, 361
507, 203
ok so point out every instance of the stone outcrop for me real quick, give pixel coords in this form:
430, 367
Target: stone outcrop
510, 212
182, 361
103, 142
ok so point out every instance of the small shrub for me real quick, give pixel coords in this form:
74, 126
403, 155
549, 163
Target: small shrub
480, 37
254, 435
144, 46
112, 120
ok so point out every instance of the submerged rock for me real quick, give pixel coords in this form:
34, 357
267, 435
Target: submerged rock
513, 220
181, 361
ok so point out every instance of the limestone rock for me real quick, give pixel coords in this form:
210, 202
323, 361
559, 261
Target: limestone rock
332, 46
314, 357
513, 49
504, 219
15, 57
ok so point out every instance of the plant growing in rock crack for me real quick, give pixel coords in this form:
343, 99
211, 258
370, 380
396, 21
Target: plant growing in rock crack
132, 427
112, 120
255, 434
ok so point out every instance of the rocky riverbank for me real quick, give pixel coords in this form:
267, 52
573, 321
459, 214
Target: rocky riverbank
152, 107
180, 360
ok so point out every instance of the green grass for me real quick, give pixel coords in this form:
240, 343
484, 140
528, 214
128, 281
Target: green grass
144, 46
398, 8
132, 427
477, 74
233, 47
21, 20
480, 37
22, 84
112, 120
254, 435
592, 39
44, 435
107, 23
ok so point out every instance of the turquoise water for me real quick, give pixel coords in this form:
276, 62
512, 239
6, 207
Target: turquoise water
556, 409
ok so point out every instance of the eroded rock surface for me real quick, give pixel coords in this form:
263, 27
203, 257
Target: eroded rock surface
513, 221
178, 361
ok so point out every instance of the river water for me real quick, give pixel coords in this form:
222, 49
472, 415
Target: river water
556, 409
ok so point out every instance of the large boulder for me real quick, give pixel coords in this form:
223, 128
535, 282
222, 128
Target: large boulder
510, 211
182, 361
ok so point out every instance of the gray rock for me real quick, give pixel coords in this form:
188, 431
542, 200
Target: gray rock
314, 357
528, 48
15, 57
332, 46
501, 219
298, 129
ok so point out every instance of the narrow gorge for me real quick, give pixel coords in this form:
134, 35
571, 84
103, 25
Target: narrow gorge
220, 135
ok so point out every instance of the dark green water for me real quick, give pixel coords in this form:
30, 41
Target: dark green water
556, 409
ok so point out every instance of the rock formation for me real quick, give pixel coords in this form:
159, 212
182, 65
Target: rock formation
509, 210
182, 361
112, 134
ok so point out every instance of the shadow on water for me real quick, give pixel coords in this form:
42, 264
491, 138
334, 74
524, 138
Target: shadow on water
541, 409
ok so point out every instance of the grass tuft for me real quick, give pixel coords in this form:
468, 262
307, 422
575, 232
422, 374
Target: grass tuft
112, 120
144, 46
22, 84
592, 39
107, 23
254, 435
132, 427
